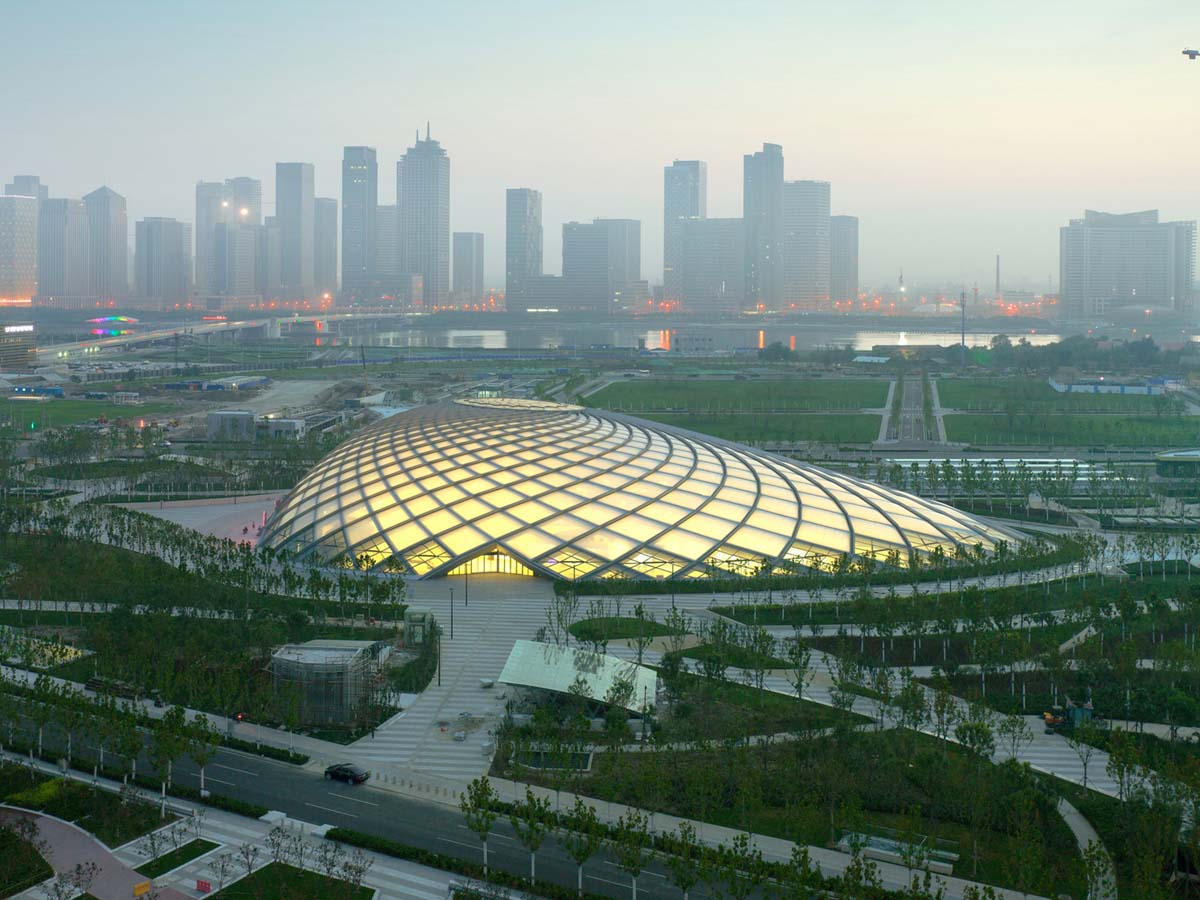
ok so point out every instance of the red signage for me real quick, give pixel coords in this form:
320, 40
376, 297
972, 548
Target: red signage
203, 886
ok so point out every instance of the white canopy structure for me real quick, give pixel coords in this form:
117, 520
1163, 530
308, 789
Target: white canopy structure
603, 678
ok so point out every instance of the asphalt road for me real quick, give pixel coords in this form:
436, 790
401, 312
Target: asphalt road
305, 794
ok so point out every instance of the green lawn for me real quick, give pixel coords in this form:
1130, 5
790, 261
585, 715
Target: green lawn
1074, 430
21, 867
103, 814
176, 858
852, 428
697, 395
277, 881
1031, 395
735, 656
57, 413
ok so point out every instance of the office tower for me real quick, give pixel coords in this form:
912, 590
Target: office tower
387, 252
64, 246
245, 198
468, 265
423, 195
805, 244
162, 262
27, 186
522, 243
214, 206
360, 199
685, 197
108, 229
762, 210
325, 251
602, 265
235, 258
295, 213
711, 265
1110, 262
18, 250
843, 257
268, 259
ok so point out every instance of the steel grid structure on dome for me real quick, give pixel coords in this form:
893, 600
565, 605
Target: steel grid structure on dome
530, 487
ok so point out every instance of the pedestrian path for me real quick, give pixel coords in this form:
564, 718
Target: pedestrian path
68, 846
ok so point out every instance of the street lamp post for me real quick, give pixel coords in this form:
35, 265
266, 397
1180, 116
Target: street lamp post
467, 585
451, 613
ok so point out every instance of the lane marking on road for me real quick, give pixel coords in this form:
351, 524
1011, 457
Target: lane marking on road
340, 812
493, 836
351, 799
459, 843
235, 769
609, 862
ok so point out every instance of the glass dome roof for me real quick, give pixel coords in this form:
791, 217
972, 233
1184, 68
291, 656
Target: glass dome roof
531, 487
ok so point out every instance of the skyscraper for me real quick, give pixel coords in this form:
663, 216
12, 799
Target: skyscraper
522, 243
18, 250
843, 257
685, 197
268, 259
214, 206
325, 256
423, 196
468, 265
27, 186
163, 261
245, 196
602, 265
711, 268
762, 210
235, 257
295, 213
360, 198
108, 230
1109, 261
805, 244
387, 251
63, 249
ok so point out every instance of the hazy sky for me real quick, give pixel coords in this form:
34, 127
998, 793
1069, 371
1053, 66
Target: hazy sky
954, 130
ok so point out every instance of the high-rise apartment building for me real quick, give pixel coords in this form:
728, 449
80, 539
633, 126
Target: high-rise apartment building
1109, 262
27, 186
843, 257
387, 252
64, 248
423, 196
711, 268
162, 262
685, 198
602, 262
18, 250
522, 244
108, 231
806, 260
295, 213
762, 211
325, 251
468, 265
360, 199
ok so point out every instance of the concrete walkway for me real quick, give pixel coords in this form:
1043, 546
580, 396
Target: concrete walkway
1085, 834
68, 846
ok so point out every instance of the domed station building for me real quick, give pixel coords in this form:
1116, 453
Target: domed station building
535, 488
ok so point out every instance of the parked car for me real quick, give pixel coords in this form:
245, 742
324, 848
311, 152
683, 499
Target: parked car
347, 772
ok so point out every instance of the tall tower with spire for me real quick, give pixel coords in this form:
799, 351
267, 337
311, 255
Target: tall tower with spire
423, 199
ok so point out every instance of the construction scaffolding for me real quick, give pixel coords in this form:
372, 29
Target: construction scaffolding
334, 682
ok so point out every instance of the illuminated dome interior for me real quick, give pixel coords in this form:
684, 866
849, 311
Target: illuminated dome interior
530, 487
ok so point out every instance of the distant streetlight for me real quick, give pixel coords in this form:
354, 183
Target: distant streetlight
451, 613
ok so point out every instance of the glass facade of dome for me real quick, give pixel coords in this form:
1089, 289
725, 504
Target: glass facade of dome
529, 487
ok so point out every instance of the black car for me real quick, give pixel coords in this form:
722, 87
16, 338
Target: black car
347, 772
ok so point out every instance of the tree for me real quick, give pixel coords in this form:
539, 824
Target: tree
477, 806
531, 821
202, 742
582, 836
248, 854
169, 742
977, 737
683, 863
630, 845
1081, 739
1015, 733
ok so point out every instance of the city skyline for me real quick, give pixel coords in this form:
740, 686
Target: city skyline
939, 186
